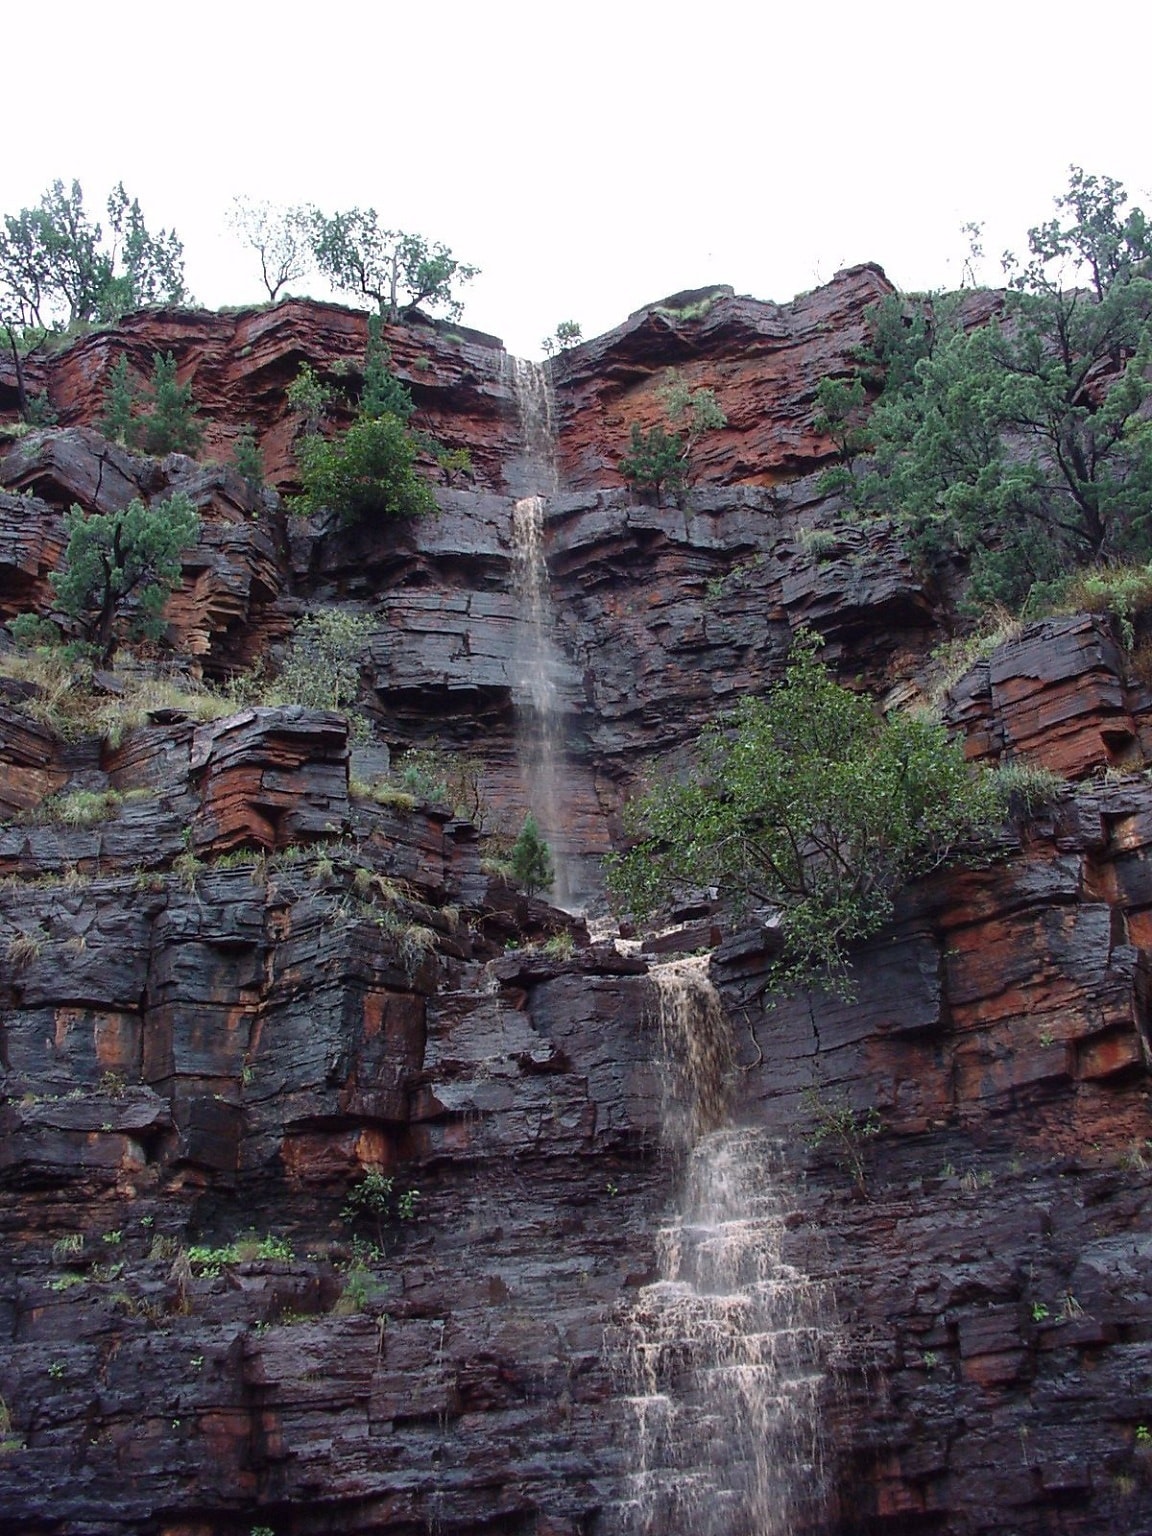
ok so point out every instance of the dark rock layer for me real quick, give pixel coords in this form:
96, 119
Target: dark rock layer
233, 981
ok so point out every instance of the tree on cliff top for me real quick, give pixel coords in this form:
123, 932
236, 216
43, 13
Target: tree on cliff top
398, 270
281, 238
121, 567
1025, 444
810, 802
57, 266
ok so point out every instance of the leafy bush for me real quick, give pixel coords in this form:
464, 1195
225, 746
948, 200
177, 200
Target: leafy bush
368, 471
322, 667
377, 1200
810, 803
309, 397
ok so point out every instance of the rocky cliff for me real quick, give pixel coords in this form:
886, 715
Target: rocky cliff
241, 967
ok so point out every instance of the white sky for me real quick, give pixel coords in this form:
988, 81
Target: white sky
593, 156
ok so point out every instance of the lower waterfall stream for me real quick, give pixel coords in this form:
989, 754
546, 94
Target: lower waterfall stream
719, 1360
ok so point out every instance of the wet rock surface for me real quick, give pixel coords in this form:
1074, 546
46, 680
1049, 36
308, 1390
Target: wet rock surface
238, 977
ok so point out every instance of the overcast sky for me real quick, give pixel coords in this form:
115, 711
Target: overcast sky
588, 157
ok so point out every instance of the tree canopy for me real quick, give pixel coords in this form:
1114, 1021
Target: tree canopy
59, 267
121, 567
281, 237
1024, 443
810, 803
399, 271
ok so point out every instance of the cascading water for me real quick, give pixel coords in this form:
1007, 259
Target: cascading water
720, 1359
537, 660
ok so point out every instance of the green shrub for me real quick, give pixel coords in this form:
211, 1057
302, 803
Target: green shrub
30, 631
1124, 591
367, 472
654, 461
531, 859
810, 803
247, 459
322, 667
309, 397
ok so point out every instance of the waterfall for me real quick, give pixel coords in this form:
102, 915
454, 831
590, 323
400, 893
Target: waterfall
720, 1358
533, 471
537, 661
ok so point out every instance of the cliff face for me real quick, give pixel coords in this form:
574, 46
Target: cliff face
235, 977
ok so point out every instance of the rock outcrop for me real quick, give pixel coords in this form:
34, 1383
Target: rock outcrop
332, 1165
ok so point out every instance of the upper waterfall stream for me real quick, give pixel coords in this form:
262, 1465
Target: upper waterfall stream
537, 660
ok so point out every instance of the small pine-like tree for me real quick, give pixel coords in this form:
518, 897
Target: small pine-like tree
531, 859
169, 425
118, 423
247, 458
383, 393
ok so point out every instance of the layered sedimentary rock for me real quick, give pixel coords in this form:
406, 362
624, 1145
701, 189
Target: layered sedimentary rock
236, 977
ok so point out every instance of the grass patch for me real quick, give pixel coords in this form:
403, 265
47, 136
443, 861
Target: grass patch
1122, 591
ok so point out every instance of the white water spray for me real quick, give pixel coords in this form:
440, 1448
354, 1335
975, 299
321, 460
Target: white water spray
720, 1359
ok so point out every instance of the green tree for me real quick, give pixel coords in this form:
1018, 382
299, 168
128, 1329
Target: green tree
531, 859
654, 461
567, 334
383, 393
247, 459
168, 422
281, 238
121, 567
57, 265
118, 422
368, 471
399, 271
839, 415
322, 665
810, 803
143, 268
455, 464
309, 397
1024, 444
